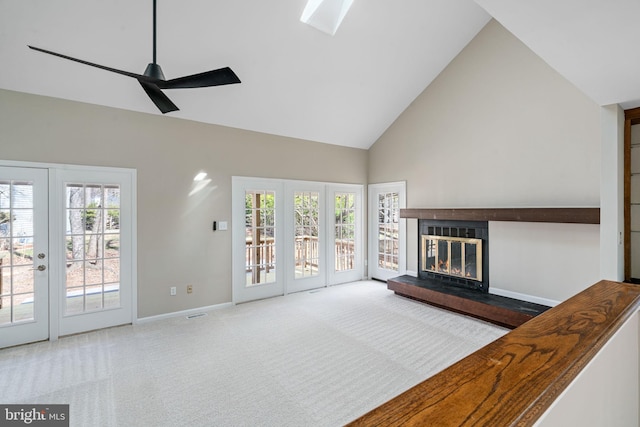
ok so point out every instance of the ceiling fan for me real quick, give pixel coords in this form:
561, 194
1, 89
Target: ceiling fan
152, 80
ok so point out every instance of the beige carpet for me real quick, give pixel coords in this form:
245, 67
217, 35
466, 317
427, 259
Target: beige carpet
318, 358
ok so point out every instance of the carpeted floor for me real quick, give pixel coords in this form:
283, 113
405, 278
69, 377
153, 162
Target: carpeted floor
318, 358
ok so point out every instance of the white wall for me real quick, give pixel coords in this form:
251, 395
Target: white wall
607, 391
612, 194
556, 258
500, 128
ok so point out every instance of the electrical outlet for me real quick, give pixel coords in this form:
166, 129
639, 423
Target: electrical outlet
189, 289
173, 291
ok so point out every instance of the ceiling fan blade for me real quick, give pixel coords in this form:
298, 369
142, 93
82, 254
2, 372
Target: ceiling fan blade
102, 67
161, 100
222, 76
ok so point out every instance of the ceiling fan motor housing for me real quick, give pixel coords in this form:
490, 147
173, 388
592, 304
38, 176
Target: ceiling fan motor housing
154, 71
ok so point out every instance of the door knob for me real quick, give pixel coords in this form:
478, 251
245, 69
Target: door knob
41, 267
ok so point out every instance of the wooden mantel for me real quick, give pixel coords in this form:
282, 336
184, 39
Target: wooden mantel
557, 215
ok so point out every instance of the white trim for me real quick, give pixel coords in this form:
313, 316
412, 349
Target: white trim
523, 297
412, 273
56, 256
149, 319
134, 243
61, 166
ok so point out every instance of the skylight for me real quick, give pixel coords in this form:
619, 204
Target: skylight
325, 15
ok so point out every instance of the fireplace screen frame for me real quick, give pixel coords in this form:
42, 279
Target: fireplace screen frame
476, 242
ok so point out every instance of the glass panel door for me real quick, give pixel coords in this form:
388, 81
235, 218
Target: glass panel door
346, 218
97, 224
260, 237
291, 236
257, 211
306, 235
388, 219
24, 274
306, 228
345, 231
92, 280
387, 231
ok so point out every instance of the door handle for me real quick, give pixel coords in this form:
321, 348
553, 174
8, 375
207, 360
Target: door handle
41, 267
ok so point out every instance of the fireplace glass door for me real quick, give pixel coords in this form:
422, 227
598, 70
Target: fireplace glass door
452, 256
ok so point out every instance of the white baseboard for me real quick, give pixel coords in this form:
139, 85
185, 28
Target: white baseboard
411, 273
523, 297
185, 313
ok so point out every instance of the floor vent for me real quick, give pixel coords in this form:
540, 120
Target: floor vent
193, 316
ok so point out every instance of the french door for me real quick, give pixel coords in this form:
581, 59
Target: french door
305, 236
66, 251
345, 254
258, 252
387, 231
24, 253
96, 236
291, 236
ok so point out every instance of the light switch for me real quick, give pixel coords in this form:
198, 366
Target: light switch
222, 225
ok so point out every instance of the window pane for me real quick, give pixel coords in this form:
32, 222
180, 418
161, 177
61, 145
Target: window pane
260, 235
112, 270
112, 296
5, 222
22, 222
5, 193
74, 196
5, 281
22, 251
22, 195
75, 221
93, 227
74, 303
388, 216
306, 214
5, 310
93, 298
22, 307
16, 251
93, 196
5, 252
345, 231
93, 273
75, 274
112, 197
112, 221
112, 246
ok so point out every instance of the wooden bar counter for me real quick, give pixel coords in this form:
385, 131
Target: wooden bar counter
513, 380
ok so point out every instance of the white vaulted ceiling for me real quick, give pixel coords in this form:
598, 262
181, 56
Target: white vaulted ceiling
592, 43
344, 89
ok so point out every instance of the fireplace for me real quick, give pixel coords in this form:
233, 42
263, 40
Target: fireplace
454, 253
